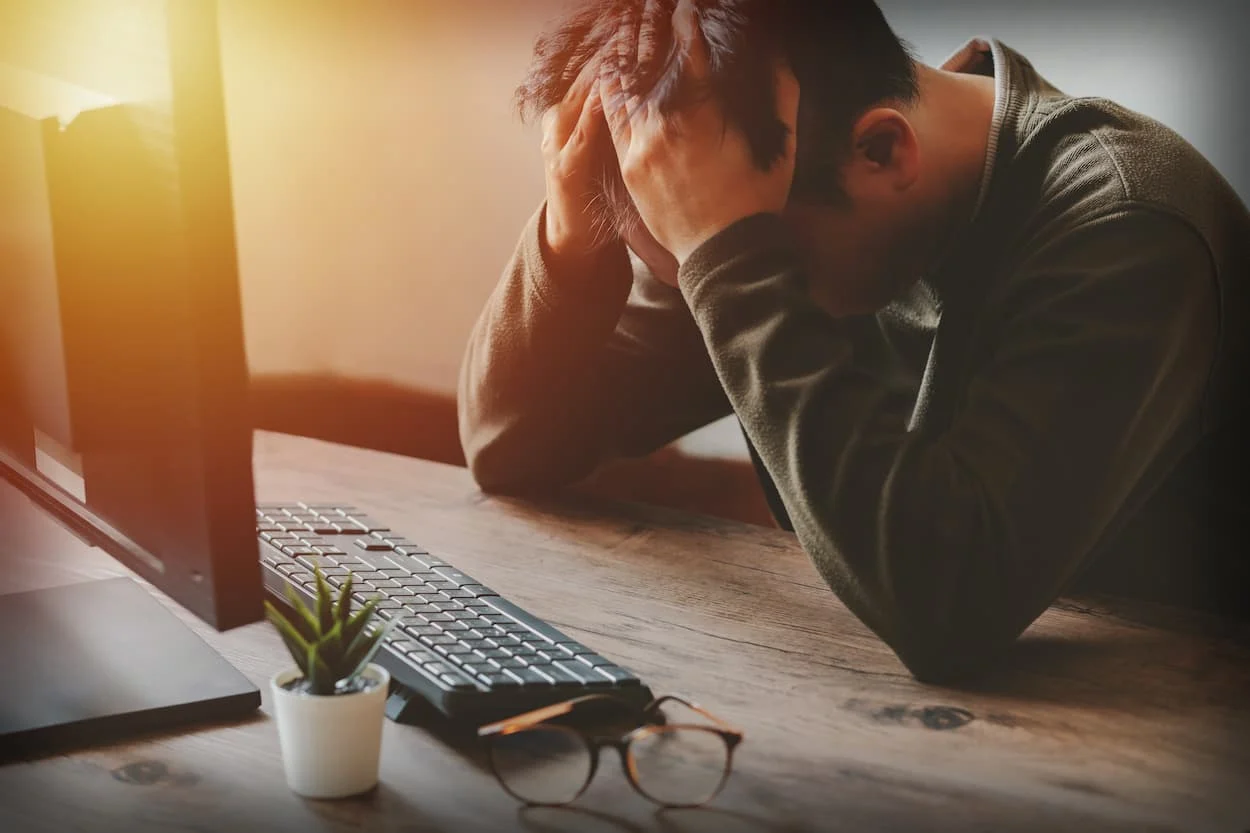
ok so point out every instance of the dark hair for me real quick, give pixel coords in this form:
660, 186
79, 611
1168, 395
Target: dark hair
843, 53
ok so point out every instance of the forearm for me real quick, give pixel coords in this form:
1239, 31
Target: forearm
527, 377
949, 541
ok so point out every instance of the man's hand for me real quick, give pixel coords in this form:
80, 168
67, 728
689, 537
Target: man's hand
689, 175
573, 132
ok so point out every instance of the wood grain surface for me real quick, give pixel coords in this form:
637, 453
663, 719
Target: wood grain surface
1107, 717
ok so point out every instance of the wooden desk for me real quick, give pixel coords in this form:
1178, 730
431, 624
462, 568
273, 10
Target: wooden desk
1103, 721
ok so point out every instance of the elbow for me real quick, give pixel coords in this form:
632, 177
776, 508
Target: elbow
941, 661
506, 462
493, 468
947, 653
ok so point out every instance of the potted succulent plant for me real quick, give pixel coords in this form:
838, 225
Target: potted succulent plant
330, 706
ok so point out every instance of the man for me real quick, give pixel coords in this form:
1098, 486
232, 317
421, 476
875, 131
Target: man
984, 338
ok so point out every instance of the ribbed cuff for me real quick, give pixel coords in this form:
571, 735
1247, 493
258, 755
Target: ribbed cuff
604, 278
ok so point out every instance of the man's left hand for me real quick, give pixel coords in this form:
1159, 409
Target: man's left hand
690, 175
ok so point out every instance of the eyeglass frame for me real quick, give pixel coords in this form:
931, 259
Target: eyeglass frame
522, 722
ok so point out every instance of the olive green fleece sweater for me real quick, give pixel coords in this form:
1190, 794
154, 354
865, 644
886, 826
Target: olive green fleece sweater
1043, 408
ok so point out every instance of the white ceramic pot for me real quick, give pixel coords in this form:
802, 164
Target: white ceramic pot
331, 745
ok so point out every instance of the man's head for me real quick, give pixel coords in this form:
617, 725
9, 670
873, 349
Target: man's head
852, 202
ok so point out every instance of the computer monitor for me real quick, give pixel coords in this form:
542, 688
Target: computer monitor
123, 379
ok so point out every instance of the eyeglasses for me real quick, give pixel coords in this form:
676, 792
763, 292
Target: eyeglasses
551, 764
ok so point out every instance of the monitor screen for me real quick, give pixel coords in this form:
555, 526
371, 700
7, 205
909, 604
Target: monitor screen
123, 380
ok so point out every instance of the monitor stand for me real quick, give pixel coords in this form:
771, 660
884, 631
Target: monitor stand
102, 661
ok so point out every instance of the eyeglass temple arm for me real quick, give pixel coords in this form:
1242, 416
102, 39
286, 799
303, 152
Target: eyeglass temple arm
523, 721
659, 701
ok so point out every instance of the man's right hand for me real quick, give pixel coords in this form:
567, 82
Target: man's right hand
574, 141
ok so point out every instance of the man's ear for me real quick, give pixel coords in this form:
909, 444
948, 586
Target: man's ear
884, 149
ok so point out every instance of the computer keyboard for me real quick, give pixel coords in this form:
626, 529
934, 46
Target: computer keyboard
459, 645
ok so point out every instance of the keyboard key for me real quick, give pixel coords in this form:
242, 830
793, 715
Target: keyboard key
478, 668
570, 670
562, 676
506, 641
498, 680
457, 682
593, 660
453, 648
530, 677
421, 656
536, 625
493, 653
512, 662
438, 667
378, 560
477, 590
617, 675
369, 524
372, 545
453, 575
437, 639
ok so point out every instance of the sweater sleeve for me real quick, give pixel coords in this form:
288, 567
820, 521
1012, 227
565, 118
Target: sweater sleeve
948, 543
566, 371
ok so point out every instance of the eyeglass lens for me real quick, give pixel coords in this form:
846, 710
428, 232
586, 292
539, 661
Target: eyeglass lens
542, 764
679, 765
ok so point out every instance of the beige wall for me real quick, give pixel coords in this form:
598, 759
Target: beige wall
380, 176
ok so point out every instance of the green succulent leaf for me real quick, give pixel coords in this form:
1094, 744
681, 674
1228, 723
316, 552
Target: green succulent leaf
357, 622
331, 650
366, 648
294, 640
320, 679
304, 620
325, 602
344, 609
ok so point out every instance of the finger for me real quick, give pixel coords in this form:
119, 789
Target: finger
616, 113
591, 124
688, 33
567, 113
